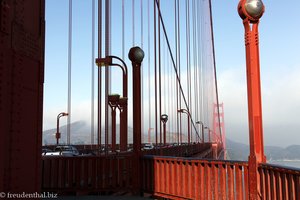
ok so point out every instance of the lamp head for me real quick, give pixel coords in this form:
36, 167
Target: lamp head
65, 114
113, 98
164, 118
180, 110
251, 9
136, 55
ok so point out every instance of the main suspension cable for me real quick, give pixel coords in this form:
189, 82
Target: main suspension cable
69, 73
173, 62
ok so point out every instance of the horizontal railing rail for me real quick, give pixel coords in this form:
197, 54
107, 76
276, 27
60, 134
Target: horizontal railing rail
279, 182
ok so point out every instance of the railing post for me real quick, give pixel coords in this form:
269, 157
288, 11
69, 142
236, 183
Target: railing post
251, 11
136, 55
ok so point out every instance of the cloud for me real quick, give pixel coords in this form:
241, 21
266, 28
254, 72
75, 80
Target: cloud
280, 104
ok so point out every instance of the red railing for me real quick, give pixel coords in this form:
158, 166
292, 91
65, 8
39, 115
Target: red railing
87, 174
185, 178
278, 182
166, 177
180, 178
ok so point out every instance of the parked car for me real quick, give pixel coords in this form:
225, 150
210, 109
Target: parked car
45, 150
148, 146
63, 150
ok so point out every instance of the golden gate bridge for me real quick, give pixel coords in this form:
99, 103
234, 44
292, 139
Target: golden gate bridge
168, 90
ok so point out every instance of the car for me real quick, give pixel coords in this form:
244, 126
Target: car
45, 150
148, 146
63, 150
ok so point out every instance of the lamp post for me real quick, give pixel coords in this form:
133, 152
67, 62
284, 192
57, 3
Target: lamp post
113, 101
188, 115
108, 61
251, 11
164, 119
122, 105
136, 55
202, 129
57, 135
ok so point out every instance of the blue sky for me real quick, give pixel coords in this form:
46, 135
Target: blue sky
280, 66
280, 70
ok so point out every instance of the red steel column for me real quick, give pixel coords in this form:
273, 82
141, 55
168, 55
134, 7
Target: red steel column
136, 55
250, 11
22, 35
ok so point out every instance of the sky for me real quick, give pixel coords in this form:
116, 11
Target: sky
279, 57
279, 30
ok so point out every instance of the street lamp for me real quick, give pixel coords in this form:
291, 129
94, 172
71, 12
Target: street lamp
136, 56
188, 115
164, 119
251, 11
57, 135
108, 61
113, 101
202, 129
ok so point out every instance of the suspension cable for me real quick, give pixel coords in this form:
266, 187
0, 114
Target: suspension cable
69, 73
133, 27
173, 62
155, 72
93, 72
123, 31
142, 71
214, 67
149, 81
107, 70
99, 134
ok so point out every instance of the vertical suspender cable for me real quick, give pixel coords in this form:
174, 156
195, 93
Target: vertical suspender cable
176, 54
149, 81
123, 30
195, 62
99, 135
179, 70
133, 25
93, 72
142, 72
187, 26
69, 73
107, 70
155, 71
159, 74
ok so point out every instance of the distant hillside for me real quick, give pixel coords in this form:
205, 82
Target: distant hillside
239, 151
81, 134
